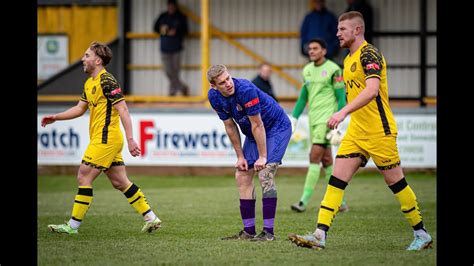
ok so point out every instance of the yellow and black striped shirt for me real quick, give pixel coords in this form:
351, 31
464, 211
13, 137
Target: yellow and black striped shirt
376, 118
101, 93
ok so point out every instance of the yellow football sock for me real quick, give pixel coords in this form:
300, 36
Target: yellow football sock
331, 202
82, 202
137, 199
408, 204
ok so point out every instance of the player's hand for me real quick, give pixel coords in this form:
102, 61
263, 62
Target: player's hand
336, 119
133, 148
242, 164
260, 163
49, 119
334, 136
294, 121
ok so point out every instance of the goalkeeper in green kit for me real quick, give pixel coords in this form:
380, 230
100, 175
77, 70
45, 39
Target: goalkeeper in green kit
324, 91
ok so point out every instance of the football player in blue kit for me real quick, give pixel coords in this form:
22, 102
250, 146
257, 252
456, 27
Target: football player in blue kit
267, 131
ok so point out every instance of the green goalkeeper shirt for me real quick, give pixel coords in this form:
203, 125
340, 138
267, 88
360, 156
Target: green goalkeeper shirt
323, 89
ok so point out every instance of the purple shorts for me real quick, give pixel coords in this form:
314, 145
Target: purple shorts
276, 147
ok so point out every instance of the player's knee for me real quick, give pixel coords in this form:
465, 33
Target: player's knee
119, 185
240, 175
314, 160
327, 161
83, 180
268, 172
243, 179
267, 180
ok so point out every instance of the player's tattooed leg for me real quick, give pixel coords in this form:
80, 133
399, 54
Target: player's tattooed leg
267, 182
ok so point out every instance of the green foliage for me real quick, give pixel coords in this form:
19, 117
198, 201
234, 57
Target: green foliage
198, 211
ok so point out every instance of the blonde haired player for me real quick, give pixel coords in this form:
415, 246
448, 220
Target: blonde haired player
103, 97
372, 132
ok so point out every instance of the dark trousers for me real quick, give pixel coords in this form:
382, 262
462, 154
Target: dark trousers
171, 64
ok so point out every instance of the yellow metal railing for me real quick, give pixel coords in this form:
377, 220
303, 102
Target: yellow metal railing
430, 100
204, 45
128, 98
234, 35
197, 67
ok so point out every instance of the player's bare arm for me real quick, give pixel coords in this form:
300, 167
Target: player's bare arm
368, 94
258, 132
234, 136
127, 125
70, 113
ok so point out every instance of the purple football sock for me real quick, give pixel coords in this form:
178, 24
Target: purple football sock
269, 210
247, 211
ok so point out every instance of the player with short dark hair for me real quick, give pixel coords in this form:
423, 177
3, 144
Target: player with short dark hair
103, 97
372, 132
323, 90
267, 131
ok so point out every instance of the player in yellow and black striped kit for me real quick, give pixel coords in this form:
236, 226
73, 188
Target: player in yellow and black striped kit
103, 97
372, 132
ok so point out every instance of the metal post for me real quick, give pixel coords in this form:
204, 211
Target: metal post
423, 51
204, 46
124, 46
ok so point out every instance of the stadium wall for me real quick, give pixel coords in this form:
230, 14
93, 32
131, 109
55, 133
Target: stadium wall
391, 19
82, 24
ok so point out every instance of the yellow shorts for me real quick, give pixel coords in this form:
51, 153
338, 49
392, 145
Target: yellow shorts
383, 151
103, 156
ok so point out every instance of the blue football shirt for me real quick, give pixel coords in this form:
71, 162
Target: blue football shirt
248, 100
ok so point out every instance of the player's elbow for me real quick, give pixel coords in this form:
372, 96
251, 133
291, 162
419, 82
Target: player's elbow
80, 111
257, 126
121, 108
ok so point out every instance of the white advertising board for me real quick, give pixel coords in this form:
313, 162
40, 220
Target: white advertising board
200, 140
53, 55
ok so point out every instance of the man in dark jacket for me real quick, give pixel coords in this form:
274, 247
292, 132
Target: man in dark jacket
262, 80
172, 25
320, 23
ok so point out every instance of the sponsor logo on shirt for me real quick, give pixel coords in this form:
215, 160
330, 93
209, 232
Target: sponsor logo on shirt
93, 90
239, 108
324, 73
374, 66
117, 90
252, 103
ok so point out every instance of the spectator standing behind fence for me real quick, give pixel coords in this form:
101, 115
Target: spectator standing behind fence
320, 23
172, 25
262, 80
365, 9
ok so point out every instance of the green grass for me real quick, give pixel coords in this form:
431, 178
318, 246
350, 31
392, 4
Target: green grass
197, 211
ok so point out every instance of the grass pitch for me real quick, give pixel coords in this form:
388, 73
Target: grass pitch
198, 211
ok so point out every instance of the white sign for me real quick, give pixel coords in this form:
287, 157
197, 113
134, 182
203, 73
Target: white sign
53, 55
201, 140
